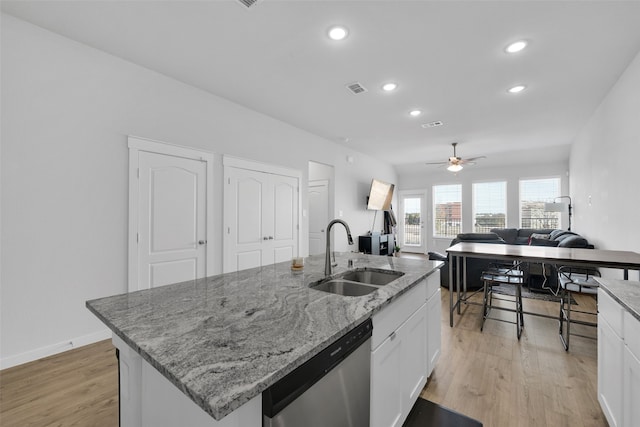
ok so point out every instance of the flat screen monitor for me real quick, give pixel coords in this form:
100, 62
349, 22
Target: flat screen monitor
380, 195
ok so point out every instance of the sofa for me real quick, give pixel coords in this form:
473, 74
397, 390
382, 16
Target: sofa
535, 273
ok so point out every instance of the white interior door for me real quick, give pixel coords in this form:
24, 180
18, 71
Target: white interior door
282, 243
412, 233
172, 219
244, 198
261, 218
318, 215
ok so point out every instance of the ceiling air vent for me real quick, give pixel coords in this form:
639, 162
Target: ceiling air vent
356, 88
432, 124
248, 3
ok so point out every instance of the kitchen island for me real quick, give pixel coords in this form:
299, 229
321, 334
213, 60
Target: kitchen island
222, 340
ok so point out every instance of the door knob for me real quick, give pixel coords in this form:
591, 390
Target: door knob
202, 242
270, 237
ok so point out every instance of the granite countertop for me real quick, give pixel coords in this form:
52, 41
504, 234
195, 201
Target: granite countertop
625, 292
224, 339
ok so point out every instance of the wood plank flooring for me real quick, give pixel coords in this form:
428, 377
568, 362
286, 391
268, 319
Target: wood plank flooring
74, 388
489, 376
500, 381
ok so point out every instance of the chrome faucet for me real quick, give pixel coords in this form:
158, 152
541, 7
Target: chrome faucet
327, 259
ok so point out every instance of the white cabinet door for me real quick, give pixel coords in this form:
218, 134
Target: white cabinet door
631, 416
386, 383
261, 218
413, 334
434, 330
610, 359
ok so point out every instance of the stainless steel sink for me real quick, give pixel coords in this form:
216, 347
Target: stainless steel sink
355, 283
371, 277
344, 287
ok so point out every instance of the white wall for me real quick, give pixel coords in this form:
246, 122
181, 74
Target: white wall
66, 112
511, 174
604, 169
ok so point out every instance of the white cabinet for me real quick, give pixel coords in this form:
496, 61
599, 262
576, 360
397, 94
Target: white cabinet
618, 363
386, 383
631, 375
610, 353
434, 329
260, 218
434, 320
405, 345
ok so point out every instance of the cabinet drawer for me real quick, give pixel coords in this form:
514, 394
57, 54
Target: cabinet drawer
631, 327
611, 311
393, 315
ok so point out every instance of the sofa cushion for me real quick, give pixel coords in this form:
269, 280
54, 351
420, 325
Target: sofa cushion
509, 235
527, 232
573, 241
555, 234
536, 241
472, 237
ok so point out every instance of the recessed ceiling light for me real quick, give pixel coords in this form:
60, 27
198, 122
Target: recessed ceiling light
517, 89
415, 113
337, 33
388, 87
516, 46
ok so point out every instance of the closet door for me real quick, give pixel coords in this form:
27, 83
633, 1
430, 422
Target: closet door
281, 220
245, 195
261, 218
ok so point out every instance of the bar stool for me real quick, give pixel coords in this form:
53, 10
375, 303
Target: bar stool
575, 280
503, 274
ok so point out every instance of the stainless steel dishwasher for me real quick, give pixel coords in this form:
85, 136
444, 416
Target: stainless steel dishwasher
330, 389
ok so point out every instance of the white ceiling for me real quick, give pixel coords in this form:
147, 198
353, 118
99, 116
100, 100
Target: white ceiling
446, 56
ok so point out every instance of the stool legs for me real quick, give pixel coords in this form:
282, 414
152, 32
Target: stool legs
565, 317
487, 305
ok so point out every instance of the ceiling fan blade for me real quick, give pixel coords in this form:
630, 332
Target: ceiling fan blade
471, 159
437, 163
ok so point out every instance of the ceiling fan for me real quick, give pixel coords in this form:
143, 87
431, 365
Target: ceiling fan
455, 163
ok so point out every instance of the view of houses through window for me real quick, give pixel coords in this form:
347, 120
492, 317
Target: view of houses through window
534, 193
489, 206
412, 221
447, 210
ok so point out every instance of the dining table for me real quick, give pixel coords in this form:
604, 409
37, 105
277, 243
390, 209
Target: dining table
556, 256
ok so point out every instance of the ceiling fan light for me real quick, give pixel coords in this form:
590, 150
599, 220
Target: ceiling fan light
516, 46
454, 168
338, 33
517, 89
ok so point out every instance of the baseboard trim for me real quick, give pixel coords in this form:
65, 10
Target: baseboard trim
50, 350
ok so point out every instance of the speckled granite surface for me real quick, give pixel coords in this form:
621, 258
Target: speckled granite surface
625, 292
224, 339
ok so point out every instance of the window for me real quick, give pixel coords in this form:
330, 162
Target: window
534, 193
447, 210
489, 206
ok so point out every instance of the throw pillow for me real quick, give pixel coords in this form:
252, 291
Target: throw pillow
540, 236
535, 241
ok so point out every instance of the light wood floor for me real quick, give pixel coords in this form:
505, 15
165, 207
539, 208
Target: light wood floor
489, 376
75, 388
500, 381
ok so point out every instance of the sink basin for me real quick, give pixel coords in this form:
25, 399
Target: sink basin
344, 287
355, 283
371, 277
